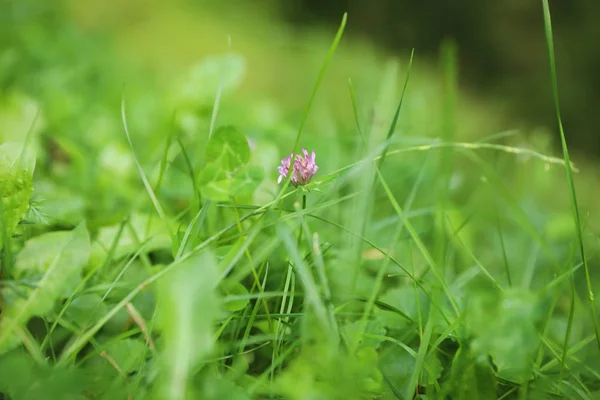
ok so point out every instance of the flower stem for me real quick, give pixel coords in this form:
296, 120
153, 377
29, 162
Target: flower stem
301, 217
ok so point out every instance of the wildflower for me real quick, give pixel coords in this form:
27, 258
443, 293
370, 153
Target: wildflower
304, 168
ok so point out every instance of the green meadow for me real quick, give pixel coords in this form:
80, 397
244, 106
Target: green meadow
441, 250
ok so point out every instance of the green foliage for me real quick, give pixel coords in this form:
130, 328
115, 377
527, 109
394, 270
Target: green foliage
16, 185
58, 259
226, 174
187, 308
154, 256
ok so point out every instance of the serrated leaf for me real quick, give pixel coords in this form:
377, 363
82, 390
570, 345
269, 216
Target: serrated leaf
16, 184
60, 257
502, 325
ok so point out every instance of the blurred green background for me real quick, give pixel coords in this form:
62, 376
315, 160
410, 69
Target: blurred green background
501, 45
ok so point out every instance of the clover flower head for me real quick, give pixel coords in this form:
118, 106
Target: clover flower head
303, 170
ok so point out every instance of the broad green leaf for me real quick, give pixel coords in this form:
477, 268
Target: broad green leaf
320, 372
229, 288
246, 180
215, 183
228, 148
219, 185
85, 309
58, 258
397, 365
470, 378
503, 325
187, 308
374, 327
16, 185
127, 353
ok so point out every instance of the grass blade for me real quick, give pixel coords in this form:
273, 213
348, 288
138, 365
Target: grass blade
568, 169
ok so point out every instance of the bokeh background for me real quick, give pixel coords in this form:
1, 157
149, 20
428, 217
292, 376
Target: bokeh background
501, 45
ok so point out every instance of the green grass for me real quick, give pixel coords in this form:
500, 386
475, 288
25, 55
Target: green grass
148, 252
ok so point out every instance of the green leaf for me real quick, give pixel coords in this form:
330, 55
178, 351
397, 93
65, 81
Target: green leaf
374, 327
85, 309
187, 308
219, 185
127, 353
59, 257
228, 148
229, 288
470, 378
503, 325
214, 182
246, 180
16, 185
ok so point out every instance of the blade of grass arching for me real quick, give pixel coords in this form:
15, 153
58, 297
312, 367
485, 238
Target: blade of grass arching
149, 189
568, 170
313, 95
458, 145
397, 113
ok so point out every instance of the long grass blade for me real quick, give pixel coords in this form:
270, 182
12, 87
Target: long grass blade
568, 169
